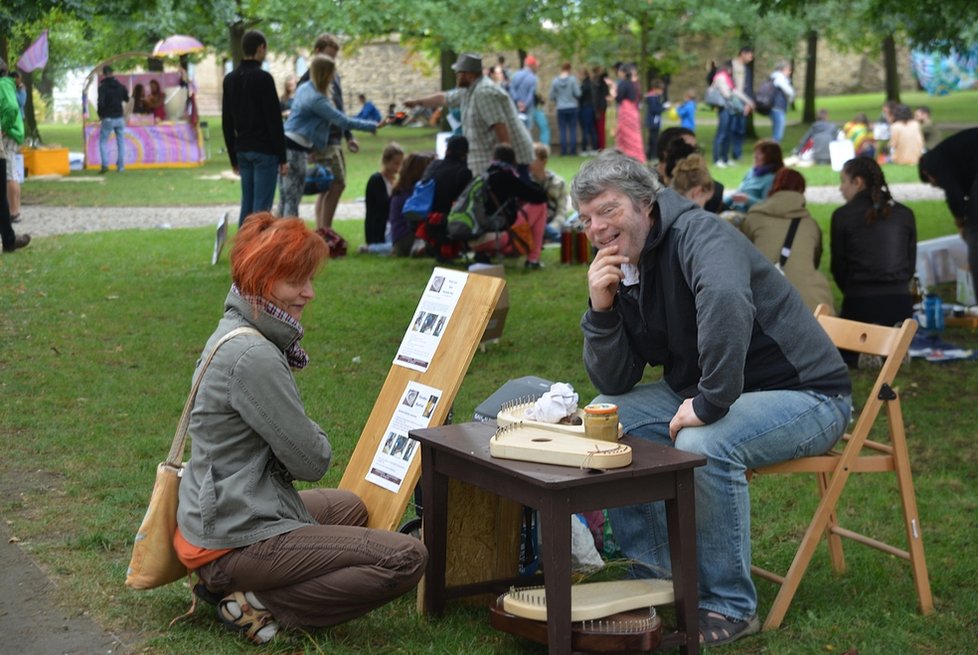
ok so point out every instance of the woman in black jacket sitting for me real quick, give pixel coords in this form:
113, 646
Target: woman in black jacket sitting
874, 247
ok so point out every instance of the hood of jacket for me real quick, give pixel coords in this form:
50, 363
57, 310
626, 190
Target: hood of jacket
781, 204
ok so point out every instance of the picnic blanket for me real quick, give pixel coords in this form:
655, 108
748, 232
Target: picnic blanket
930, 346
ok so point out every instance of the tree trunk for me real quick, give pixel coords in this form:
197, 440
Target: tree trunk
30, 120
448, 58
236, 30
808, 113
890, 65
643, 52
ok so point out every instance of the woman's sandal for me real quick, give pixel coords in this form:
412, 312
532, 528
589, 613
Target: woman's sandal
717, 629
210, 597
244, 613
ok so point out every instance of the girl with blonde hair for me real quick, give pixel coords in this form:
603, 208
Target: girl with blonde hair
692, 179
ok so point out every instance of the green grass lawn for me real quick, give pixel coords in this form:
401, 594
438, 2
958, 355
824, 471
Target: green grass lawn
100, 336
100, 333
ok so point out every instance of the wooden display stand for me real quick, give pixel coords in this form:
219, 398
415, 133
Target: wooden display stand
445, 372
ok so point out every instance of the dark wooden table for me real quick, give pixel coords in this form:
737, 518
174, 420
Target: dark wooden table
557, 492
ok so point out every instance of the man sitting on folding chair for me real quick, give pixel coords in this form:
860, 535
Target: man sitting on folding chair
749, 376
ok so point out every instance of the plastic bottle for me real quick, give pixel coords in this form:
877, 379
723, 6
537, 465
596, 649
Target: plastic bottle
934, 312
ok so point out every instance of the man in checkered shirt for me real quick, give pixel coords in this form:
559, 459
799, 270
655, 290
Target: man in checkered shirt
488, 115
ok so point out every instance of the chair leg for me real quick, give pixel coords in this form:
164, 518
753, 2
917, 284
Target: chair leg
915, 539
833, 539
816, 528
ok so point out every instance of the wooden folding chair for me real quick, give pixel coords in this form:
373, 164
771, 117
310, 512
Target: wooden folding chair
856, 453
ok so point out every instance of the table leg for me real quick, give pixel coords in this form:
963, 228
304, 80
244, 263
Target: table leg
681, 519
555, 531
434, 494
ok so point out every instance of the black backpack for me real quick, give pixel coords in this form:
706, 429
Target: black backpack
764, 98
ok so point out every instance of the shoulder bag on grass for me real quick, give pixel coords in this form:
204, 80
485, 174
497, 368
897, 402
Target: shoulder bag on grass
154, 560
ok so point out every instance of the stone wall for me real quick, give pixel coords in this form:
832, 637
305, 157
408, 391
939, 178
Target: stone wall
387, 73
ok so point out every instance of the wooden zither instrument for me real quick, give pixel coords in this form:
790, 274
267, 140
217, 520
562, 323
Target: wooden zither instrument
515, 411
607, 617
532, 443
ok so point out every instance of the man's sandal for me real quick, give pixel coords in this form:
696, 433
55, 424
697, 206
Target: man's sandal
717, 629
244, 613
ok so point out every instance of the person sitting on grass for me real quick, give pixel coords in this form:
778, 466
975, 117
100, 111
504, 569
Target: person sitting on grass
691, 179
874, 249
402, 231
557, 198
767, 225
269, 556
377, 201
861, 134
813, 147
525, 206
756, 184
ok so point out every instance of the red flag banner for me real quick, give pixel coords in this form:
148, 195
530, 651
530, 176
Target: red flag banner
36, 56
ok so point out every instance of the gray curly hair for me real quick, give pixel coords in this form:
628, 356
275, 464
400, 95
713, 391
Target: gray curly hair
613, 169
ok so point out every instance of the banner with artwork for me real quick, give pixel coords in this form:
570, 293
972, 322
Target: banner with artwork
161, 145
940, 74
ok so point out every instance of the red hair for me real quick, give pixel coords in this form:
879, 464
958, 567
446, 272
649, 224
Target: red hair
788, 179
269, 249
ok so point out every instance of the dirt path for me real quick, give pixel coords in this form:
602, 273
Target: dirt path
40, 220
31, 620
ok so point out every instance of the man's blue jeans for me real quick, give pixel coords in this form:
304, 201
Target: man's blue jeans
589, 130
118, 127
762, 428
721, 141
259, 174
567, 122
777, 124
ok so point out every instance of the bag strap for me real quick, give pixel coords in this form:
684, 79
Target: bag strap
175, 457
788, 240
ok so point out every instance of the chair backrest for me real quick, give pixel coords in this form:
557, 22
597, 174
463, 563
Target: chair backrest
892, 343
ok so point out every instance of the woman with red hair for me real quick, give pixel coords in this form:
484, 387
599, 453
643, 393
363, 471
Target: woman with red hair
767, 225
268, 555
